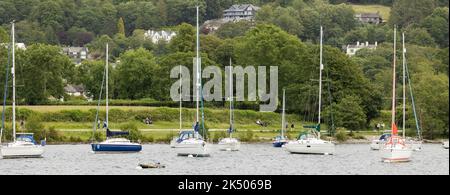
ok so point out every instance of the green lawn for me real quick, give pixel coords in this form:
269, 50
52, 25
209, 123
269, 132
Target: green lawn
385, 11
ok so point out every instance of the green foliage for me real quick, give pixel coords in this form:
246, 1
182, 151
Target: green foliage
121, 27
135, 134
185, 39
246, 136
341, 135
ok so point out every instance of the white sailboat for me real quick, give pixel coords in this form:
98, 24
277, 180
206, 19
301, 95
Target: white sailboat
23, 145
191, 143
230, 143
396, 149
311, 143
113, 144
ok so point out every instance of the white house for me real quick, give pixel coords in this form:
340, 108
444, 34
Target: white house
77, 54
20, 46
352, 49
157, 36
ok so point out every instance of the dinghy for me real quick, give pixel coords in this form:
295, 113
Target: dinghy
23, 145
114, 143
311, 143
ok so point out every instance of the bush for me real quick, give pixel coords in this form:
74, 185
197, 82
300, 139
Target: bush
247, 136
341, 135
132, 127
218, 135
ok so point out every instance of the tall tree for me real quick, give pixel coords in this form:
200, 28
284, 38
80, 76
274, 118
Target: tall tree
121, 27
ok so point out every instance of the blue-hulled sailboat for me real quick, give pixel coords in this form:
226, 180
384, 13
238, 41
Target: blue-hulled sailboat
281, 140
114, 140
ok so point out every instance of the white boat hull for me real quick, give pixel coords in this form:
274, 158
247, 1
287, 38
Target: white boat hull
415, 145
195, 148
376, 144
229, 144
396, 155
305, 147
22, 151
445, 145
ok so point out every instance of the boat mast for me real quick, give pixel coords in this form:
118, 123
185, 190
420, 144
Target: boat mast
107, 93
231, 100
181, 99
404, 86
197, 63
320, 79
394, 80
283, 120
13, 73
413, 102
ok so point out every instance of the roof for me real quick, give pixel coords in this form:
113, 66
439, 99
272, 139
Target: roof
368, 15
75, 49
241, 7
74, 88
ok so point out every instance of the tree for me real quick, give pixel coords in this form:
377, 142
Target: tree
437, 25
42, 70
408, 12
185, 39
90, 74
348, 113
233, 29
136, 75
121, 27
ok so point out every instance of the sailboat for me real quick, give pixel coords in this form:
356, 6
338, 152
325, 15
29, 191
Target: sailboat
230, 143
191, 143
113, 144
311, 143
396, 149
23, 145
282, 140
416, 144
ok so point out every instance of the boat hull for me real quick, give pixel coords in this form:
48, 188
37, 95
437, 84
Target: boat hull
32, 151
279, 144
229, 145
195, 149
396, 155
445, 145
377, 144
116, 148
326, 148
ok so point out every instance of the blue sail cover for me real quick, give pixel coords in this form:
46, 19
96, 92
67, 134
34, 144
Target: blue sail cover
116, 133
230, 130
196, 127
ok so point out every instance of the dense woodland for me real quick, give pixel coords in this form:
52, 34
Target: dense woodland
286, 33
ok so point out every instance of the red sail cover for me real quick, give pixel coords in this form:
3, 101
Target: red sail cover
394, 129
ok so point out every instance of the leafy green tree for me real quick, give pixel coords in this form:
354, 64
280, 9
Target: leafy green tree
136, 74
233, 29
408, 12
185, 39
349, 114
41, 71
437, 25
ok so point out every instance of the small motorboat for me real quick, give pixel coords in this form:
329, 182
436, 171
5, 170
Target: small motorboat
378, 143
229, 144
280, 141
152, 166
445, 145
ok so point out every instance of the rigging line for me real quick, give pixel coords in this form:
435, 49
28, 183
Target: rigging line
418, 124
5, 93
94, 127
332, 129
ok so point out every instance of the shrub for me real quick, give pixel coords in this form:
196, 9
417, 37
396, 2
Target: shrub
341, 135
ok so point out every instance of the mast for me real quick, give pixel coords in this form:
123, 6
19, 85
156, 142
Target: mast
231, 100
13, 73
394, 81
283, 120
197, 65
107, 93
404, 86
320, 79
181, 100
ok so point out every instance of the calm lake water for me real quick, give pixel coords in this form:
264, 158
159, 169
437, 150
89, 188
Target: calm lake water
253, 159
